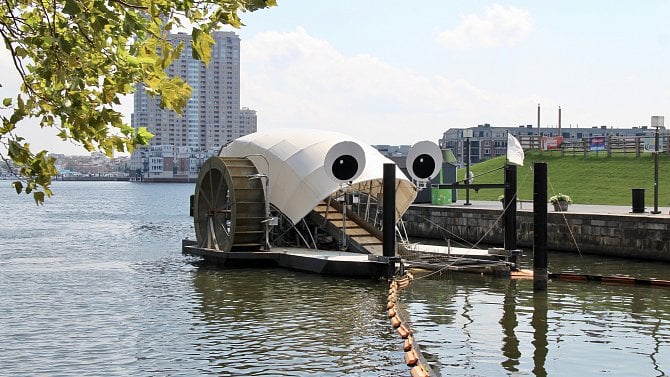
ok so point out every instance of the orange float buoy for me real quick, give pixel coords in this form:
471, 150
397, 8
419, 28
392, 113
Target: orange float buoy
395, 322
392, 313
403, 331
411, 358
407, 345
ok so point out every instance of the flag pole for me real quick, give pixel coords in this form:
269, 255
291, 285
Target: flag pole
507, 148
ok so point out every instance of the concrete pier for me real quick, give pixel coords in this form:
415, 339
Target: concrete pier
605, 230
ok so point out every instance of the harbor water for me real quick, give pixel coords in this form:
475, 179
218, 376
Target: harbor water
94, 283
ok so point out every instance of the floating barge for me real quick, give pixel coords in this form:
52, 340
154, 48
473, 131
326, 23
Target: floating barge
325, 262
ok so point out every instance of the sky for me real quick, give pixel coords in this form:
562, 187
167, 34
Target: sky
399, 72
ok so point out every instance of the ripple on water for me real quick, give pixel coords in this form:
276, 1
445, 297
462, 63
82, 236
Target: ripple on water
573, 329
93, 283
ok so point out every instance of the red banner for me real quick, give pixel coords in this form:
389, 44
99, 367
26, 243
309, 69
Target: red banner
553, 142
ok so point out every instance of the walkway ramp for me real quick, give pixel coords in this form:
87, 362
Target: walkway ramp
362, 237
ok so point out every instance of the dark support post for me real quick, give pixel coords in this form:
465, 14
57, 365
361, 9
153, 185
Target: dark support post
540, 275
388, 219
467, 173
510, 211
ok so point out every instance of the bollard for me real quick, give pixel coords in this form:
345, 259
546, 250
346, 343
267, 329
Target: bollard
638, 200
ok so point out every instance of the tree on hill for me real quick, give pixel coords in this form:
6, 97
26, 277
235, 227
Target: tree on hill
76, 58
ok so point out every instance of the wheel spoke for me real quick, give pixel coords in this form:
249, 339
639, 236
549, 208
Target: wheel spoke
211, 189
221, 182
212, 232
204, 196
222, 222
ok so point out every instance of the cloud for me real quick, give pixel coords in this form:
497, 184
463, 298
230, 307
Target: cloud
296, 80
498, 26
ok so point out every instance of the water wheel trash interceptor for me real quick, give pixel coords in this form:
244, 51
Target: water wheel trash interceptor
229, 205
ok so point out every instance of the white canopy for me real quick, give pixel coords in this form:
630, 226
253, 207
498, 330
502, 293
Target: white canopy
298, 180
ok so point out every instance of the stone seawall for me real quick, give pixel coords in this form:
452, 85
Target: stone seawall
632, 236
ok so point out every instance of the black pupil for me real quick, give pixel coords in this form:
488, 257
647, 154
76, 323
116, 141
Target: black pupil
423, 166
345, 167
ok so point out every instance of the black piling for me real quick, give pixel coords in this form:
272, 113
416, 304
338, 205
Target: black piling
540, 275
510, 212
388, 219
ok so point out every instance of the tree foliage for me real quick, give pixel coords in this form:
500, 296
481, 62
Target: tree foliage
76, 58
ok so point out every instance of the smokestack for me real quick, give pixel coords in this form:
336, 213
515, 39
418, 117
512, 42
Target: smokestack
559, 121
539, 134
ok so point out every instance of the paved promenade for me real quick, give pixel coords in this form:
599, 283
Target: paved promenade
576, 208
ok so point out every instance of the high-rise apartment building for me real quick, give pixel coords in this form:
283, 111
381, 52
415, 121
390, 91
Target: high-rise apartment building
212, 117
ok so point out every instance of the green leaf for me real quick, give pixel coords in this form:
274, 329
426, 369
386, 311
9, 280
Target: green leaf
143, 136
39, 197
201, 44
7, 102
18, 186
71, 7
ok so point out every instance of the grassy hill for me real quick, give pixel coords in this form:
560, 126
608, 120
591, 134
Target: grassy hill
595, 179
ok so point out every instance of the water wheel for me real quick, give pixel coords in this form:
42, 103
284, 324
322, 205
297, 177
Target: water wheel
229, 206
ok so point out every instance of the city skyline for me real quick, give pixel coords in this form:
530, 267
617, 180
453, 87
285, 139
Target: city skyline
397, 74
213, 116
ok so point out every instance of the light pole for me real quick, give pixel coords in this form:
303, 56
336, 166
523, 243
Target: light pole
468, 134
657, 122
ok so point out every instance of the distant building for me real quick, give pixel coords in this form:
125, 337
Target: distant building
393, 150
248, 122
167, 162
96, 164
211, 118
488, 142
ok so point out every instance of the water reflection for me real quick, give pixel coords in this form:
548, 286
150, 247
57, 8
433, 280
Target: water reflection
266, 321
571, 329
510, 348
539, 323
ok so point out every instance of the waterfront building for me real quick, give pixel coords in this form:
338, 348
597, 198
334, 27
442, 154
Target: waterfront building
211, 118
393, 150
487, 142
97, 164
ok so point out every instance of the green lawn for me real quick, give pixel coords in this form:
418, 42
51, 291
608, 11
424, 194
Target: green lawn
595, 179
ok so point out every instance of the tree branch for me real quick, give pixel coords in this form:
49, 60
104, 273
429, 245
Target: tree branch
128, 5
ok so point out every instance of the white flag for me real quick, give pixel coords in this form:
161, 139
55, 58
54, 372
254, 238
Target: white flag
514, 151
